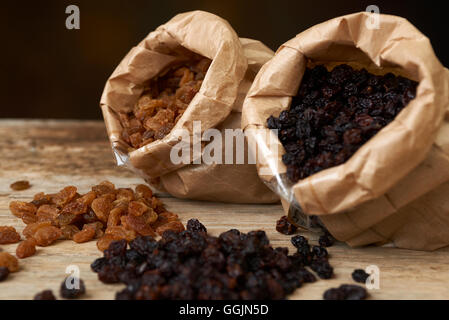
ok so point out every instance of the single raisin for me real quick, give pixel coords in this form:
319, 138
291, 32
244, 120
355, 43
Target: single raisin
26, 249
4, 273
45, 295
19, 208
359, 275
20, 185
47, 235
72, 288
9, 261
8, 235
284, 226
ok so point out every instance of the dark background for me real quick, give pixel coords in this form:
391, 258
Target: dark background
48, 71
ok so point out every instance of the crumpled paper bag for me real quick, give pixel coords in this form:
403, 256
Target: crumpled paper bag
381, 194
235, 62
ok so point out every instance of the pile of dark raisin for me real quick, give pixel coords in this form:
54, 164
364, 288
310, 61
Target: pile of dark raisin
334, 114
194, 265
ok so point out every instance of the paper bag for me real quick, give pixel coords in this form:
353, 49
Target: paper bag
381, 194
235, 63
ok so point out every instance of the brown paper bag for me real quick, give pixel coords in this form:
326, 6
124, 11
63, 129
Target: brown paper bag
235, 62
382, 193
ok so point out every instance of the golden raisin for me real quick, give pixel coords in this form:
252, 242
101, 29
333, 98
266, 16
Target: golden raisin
76, 207
88, 198
97, 227
114, 216
66, 218
84, 235
47, 235
47, 212
138, 224
126, 194
20, 185
104, 188
31, 229
64, 196
26, 248
8, 235
104, 242
18, 208
164, 218
68, 231
175, 226
9, 261
144, 192
121, 232
41, 198
29, 217
102, 207
137, 208
157, 205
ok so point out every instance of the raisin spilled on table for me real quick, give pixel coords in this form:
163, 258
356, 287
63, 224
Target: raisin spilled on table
45, 295
8, 235
105, 213
72, 288
162, 103
326, 240
20, 185
4, 273
26, 248
359, 275
9, 261
194, 265
334, 114
346, 292
284, 226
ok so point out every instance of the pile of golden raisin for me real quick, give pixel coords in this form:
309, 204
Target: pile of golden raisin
162, 103
104, 213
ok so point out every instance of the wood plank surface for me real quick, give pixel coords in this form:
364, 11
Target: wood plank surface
53, 154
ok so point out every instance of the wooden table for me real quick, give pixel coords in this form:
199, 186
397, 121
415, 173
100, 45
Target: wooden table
53, 154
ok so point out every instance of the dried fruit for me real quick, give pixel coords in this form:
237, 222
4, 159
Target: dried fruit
47, 235
144, 192
195, 225
31, 229
47, 212
193, 265
20, 185
334, 113
29, 217
84, 235
346, 292
45, 295
102, 207
4, 273
322, 268
162, 103
326, 240
72, 288
8, 235
68, 231
105, 213
19, 208
9, 261
359, 275
285, 227
64, 196
26, 249
175, 226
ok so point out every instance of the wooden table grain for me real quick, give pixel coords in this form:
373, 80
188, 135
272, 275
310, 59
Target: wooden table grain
54, 153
